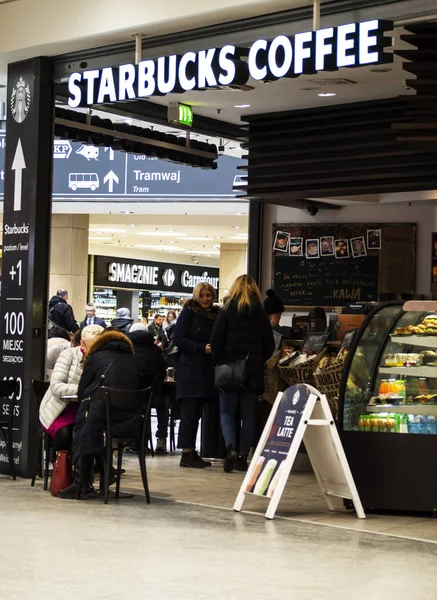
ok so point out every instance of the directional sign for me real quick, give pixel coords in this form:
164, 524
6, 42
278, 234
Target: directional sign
109, 179
18, 165
62, 149
84, 172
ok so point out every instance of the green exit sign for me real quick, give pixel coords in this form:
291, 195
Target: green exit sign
182, 114
185, 115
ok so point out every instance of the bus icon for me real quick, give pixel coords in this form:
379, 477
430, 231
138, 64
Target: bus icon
88, 181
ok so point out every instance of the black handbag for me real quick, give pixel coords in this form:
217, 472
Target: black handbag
230, 377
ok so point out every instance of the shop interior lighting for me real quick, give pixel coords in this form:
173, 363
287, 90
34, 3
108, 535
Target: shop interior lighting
100, 238
236, 227
326, 95
241, 105
236, 237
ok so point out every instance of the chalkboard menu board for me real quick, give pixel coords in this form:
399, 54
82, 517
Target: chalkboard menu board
338, 264
326, 282
315, 342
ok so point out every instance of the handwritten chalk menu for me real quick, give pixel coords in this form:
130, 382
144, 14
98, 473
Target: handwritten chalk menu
355, 263
326, 282
315, 342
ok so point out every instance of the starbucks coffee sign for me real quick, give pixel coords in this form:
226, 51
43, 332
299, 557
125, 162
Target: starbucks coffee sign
310, 52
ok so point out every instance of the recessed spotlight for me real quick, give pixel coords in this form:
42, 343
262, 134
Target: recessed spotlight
326, 94
132, 225
127, 212
241, 105
236, 227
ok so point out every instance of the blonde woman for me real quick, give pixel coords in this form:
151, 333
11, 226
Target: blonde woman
58, 409
195, 372
242, 330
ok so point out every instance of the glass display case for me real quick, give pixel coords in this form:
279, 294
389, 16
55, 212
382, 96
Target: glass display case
388, 406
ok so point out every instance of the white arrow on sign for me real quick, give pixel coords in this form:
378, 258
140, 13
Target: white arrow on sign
18, 165
109, 179
111, 153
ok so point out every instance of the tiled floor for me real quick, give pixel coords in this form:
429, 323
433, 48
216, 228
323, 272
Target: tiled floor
52, 548
302, 500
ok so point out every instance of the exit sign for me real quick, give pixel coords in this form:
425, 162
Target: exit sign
182, 114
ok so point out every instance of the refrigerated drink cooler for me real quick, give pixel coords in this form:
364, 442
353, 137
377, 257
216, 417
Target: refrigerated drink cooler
388, 407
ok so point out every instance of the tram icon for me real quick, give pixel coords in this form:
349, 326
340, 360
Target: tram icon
87, 181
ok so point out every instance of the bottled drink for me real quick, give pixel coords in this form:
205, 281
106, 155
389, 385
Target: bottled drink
404, 424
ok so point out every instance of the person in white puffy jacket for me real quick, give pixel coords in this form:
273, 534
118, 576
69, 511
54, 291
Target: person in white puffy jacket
57, 412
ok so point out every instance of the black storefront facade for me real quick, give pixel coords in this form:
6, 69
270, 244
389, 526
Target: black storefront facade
145, 287
30, 128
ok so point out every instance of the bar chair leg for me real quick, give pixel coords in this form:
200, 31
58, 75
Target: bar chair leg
38, 463
119, 463
46, 462
142, 459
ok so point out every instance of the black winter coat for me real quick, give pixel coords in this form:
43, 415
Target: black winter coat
124, 373
61, 313
236, 334
151, 361
195, 371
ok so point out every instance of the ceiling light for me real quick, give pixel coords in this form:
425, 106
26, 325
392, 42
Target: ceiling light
132, 225
159, 233
241, 105
202, 252
103, 230
127, 212
242, 235
155, 247
197, 239
326, 95
100, 238
236, 237
236, 227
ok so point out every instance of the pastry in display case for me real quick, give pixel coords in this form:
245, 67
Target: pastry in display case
388, 406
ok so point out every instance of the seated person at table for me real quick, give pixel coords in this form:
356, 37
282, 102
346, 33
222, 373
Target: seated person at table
57, 413
109, 362
152, 364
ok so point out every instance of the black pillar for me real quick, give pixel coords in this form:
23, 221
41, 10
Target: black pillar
255, 245
26, 246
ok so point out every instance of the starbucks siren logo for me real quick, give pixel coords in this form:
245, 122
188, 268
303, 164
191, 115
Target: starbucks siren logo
20, 100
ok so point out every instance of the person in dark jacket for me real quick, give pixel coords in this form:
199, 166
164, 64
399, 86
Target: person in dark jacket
61, 313
155, 327
90, 317
242, 330
195, 371
111, 362
169, 348
123, 320
152, 364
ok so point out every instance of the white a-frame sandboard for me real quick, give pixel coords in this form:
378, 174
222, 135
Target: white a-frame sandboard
299, 413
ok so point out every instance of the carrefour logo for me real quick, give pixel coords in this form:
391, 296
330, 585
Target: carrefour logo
168, 277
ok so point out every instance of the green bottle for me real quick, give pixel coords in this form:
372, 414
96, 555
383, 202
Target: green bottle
404, 424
